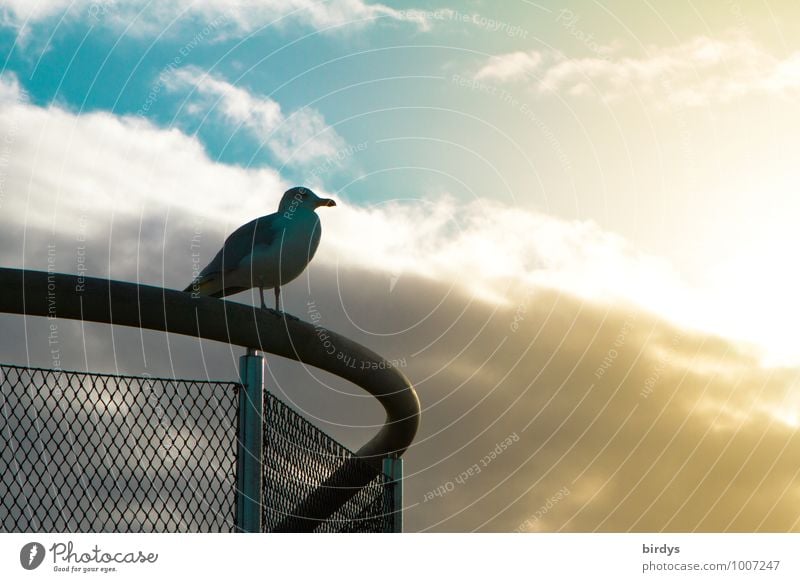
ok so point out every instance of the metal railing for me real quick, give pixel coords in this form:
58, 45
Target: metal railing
344, 493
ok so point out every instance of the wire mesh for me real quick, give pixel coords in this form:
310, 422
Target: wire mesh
100, 453
307, 474
82, 452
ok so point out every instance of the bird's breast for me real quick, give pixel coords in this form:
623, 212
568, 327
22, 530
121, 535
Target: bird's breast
289, 254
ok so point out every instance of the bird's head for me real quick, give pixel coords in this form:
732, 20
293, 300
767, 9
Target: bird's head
300, 197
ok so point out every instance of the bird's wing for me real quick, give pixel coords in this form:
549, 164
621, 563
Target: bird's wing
239, 245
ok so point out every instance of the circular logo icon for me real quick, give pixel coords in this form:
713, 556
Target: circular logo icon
31, 555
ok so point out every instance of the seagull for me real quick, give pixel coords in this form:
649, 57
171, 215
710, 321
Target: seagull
266, 252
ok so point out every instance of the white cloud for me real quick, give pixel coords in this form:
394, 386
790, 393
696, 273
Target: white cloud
698, 72
300, 137
62, 169
242, 15
10, 89
490, 249
496, 251
18, 11
510, 66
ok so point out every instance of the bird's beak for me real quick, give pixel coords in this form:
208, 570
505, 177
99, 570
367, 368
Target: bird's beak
326, 202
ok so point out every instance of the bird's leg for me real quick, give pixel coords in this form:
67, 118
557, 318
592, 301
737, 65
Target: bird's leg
277, 298
261, 294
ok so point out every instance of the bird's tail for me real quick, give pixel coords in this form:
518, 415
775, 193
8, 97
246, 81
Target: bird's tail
201, 286
211, 287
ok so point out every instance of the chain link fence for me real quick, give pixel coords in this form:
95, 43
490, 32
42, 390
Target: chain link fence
305, 470
87, 452
101, 453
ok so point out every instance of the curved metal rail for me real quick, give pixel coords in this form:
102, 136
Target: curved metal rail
115, 302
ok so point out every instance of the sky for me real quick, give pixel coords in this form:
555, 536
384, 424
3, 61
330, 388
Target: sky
572, 221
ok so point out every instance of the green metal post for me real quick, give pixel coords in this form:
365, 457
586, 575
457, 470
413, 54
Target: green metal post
249, 450
393, 470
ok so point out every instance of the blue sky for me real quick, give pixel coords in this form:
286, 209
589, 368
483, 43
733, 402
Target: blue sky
385, 78
87, 63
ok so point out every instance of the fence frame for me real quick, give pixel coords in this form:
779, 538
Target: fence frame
46, 294
249, 458
393, 469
